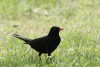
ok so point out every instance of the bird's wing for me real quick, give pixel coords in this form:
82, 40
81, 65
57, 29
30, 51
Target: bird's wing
41, 42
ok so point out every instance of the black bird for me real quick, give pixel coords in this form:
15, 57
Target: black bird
46, 44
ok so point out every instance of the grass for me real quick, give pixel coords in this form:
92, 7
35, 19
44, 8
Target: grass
80, 38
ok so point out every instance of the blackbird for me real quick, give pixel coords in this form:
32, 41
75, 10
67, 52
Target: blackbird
46, 44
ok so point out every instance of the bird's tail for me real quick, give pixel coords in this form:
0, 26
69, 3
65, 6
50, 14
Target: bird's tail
22, 38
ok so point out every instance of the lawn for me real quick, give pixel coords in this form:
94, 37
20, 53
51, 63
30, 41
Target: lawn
80, 39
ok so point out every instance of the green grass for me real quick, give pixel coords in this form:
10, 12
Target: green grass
80, 39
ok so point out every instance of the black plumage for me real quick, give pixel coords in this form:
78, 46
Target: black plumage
46, 44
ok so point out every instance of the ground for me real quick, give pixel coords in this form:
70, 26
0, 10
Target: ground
80, 39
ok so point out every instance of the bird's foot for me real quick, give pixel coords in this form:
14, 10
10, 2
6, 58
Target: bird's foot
49, 57
40, 57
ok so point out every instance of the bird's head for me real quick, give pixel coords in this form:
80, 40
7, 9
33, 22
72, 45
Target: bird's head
55, 30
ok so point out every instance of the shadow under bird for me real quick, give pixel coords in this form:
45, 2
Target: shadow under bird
46, 44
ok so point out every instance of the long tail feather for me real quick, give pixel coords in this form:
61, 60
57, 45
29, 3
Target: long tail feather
22, 38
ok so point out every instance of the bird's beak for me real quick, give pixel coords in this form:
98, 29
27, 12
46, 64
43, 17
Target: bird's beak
60, 28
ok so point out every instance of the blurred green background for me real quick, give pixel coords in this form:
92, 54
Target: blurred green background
80, 45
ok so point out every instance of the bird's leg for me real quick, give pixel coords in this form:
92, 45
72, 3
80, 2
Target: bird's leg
40, 55
49, 56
